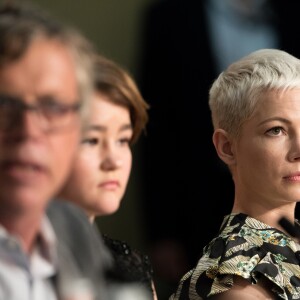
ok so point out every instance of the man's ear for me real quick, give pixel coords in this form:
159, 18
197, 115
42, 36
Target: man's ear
224, 146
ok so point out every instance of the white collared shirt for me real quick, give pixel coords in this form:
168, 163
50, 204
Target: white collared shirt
23, 277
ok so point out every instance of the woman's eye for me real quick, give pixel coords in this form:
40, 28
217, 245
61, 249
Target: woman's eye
275, 131
124, 141
90, 141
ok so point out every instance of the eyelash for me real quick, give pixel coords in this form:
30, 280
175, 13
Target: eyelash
125, 140
273, 129
90, 141
95, 141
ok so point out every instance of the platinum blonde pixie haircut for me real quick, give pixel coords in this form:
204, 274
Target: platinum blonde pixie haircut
235, 93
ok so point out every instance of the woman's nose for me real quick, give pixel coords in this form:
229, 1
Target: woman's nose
294, 153
111, 160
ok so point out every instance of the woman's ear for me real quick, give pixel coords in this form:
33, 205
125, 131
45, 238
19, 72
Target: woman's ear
224, 146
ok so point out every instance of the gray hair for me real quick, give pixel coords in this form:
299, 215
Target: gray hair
21, 24
236, 92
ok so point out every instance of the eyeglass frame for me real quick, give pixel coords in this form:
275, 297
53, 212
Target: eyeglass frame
55, 108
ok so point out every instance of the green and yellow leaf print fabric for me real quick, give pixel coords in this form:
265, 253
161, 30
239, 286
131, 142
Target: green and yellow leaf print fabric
248, 248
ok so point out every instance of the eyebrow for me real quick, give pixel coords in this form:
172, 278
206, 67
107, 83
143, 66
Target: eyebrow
275, 119
41, 98
102, 128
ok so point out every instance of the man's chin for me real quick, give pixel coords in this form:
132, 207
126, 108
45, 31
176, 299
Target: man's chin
23, 199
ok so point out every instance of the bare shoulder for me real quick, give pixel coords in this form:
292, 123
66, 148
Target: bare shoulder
242, 289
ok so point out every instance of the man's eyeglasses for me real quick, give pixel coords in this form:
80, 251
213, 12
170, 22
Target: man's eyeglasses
50, 113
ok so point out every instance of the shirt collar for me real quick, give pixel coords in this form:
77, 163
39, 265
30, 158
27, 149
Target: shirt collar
43, 261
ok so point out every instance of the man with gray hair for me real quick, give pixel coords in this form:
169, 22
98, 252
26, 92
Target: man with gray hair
45, 83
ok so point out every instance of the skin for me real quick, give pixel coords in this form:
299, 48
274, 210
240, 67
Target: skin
34, 162
102, 168
265, 165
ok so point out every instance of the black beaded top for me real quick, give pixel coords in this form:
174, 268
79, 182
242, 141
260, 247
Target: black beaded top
130, 266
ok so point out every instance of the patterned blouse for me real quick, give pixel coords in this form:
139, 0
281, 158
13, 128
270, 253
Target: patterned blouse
248, 248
